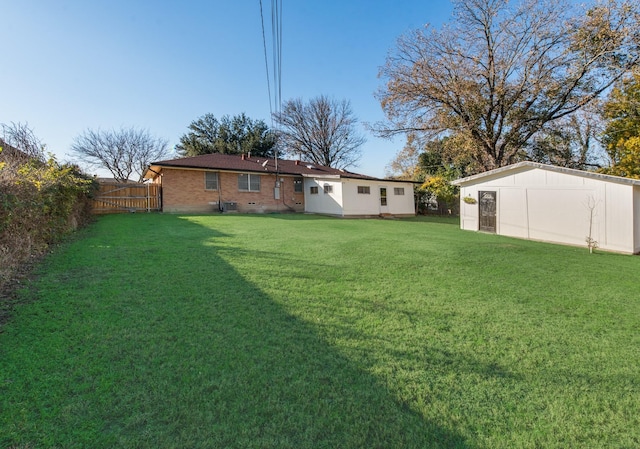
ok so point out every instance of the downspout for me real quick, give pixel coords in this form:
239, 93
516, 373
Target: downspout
220, 193
278, 184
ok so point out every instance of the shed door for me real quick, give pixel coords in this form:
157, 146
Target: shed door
488, 211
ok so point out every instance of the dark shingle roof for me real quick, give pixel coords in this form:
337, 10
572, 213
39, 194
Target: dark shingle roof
232, 162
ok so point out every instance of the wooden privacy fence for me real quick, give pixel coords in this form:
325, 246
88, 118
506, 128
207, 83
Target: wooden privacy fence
114, 198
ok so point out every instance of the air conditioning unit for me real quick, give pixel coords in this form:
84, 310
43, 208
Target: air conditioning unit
229, 206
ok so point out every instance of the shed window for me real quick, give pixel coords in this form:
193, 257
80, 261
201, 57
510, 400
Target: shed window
248, 183
328, 188
364, 190
398, 190
313, 190
210, 181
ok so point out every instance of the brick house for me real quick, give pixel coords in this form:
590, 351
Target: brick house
224, 182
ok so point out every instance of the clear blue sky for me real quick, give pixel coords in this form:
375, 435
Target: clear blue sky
69, 65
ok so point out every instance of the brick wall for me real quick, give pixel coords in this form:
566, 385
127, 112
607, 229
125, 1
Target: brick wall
184, 191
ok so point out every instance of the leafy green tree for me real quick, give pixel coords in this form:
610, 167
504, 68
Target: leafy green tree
438, 187
433, 163
621, 136
419, 160
229, 135
439, 157
502, 70
438, 165
437, 174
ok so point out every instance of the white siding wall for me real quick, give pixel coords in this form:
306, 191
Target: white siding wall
369, 204
346, 201
401, 204
361, 203
551, 206
469, 212
323, 203
618, 218
561, 215
512, 210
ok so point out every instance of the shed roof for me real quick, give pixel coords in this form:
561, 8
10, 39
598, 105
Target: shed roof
528, 165
238, 163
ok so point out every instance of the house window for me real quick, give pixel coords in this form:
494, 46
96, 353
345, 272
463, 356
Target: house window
248, 183
383, 196
398, 190
297, 185
365, 190
210, 181
313, 190
328, 188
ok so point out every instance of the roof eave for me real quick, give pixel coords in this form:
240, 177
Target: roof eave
554, 168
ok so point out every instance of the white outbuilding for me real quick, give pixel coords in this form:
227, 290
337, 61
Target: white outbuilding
542, 202
347, 196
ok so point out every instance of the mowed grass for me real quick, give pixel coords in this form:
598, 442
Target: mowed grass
296, 331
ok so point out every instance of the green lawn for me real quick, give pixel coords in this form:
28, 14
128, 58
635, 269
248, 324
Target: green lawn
297, 331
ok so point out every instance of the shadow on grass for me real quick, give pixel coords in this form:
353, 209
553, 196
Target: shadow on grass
198, 357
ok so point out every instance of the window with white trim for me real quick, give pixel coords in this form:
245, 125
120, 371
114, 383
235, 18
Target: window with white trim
398, 190
297, 185
248, 182
364, 190
313, 190
328, 188
210, 180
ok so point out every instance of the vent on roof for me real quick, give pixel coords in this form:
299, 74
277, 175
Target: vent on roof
310, 166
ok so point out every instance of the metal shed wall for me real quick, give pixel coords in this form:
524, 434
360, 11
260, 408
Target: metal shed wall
538, 204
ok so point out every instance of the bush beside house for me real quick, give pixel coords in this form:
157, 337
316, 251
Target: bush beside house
40, 202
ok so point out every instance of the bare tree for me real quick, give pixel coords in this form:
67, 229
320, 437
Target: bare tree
19, 145
405, 165
591, 204
124, 152
571, 141
502, 70
322, 131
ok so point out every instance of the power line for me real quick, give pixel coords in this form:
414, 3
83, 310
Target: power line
276, 47
276, 30
266, 62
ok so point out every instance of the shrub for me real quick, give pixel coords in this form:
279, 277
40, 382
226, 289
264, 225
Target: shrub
40, 202
438, 187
